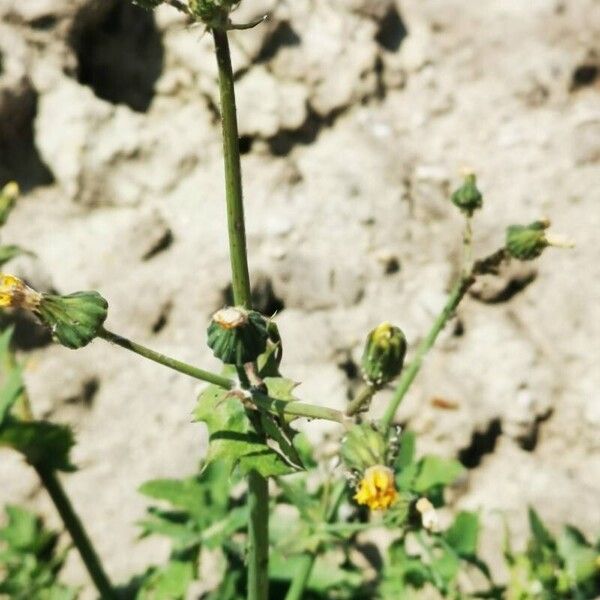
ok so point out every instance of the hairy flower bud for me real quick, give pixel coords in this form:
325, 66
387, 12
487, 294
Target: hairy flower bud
467, 197
237, 336
383, 355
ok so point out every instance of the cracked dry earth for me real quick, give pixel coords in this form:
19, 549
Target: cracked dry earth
356, 117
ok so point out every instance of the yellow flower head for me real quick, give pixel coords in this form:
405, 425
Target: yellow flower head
376, 489
15, 294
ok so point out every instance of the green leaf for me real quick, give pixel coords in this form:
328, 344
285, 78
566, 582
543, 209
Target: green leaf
326, 575
233, 438
541, 535
445, 567
579, 557
9, 252
463, 534
168, 583
41, 442
11, 376
406, 452
435, 471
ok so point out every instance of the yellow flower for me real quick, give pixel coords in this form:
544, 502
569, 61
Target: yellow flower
376, 489
15, 294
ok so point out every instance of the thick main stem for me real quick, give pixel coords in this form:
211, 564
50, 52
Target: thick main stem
410, 372
76, 531
258, 489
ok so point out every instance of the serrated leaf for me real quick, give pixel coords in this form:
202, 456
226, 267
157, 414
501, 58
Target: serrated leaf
436, 471
41, 442
463, 534
233, 438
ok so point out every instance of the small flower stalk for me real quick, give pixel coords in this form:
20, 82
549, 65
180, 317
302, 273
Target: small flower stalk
383, 356
75, 319
527, 242
237, 336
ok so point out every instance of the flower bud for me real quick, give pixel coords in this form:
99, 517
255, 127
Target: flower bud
526, 242
237, 336
377, 488
467, 197
75, 319
212, 12
383, 355
8, 196
429, 516
362, 447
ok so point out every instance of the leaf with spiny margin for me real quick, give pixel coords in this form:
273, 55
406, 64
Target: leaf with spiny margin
42, 443
233, 437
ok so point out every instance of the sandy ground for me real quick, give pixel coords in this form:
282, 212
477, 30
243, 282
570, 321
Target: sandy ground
356, 117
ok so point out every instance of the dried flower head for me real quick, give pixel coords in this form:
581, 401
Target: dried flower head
377, 488
14, 293
429, 516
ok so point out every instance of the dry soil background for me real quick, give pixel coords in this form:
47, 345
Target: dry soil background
356, 116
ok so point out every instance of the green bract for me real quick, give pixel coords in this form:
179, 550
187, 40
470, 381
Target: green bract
467, 197
363, 447
237, 336
384, 353
526, 242
76, 319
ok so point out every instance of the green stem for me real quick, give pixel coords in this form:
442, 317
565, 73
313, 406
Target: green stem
258, 488
76, 531
409, 373
167, 361
296, 409
362, 398
307, 562
483, 266
233, 173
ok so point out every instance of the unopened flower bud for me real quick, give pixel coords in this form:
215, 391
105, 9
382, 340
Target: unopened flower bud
383, 355
237, 335
212, 12
377, 488
362, 447
8, 196
467, 197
